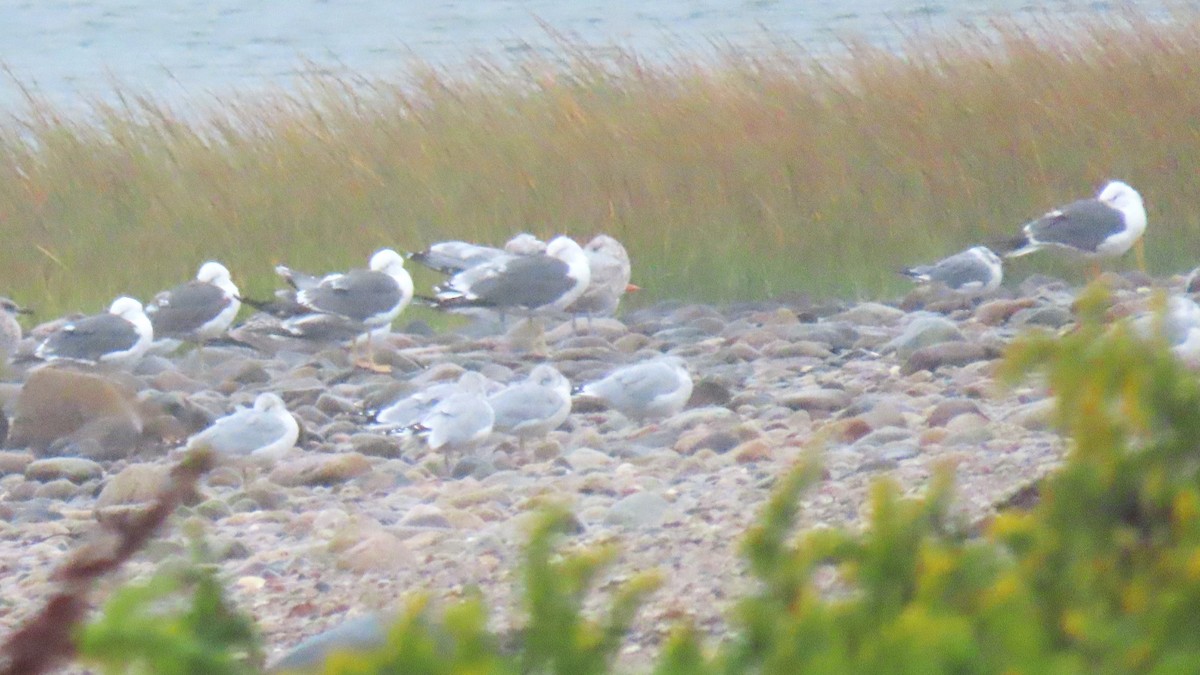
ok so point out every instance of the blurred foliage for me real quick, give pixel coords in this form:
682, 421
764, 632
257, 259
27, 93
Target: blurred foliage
1102, 575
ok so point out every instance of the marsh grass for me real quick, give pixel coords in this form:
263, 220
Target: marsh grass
729, 176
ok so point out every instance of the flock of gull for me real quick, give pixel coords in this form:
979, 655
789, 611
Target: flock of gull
526, 278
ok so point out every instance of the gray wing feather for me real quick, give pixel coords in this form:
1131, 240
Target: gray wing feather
186, 308
959, 270
90, 338
357, 295
1083, 224
522, 403
242, 432
523, 281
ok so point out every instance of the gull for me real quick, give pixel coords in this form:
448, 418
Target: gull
411, 409
652, 389
550, 280
608, 262
1103, 227
459, 422
119, 336
359, 301
975, 270
261, 433
198, 310
1178, 326
10, 328
452, 257
534, 407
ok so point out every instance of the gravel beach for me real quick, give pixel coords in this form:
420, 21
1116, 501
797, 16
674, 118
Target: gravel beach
353, 520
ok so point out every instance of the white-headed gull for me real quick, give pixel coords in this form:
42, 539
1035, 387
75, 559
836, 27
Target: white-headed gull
652, 389
119, 336
198, 310
975, 270
533, 407
1105, 226
261, 433
610, 269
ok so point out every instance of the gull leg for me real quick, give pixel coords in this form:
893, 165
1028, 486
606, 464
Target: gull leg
1093, 270
1139, 248
369, 363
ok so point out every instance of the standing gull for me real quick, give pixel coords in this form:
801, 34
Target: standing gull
533, 407
458, 422
366, 300
10, 328
1103, 227
262, 433
608, 262
975, 270
199, 310
651, 389
119, 336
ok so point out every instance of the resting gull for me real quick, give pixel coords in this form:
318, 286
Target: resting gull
651, 389
10, 328
551, 280
1178, 325
199, 310
608, 262
1103, 227
533, 407
975, 270
411, 409
119, 337
359, 301
458, 422
452, 257
262, 433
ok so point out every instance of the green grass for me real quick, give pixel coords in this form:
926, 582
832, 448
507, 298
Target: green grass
729, 176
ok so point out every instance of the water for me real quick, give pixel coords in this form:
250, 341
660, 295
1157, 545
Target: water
176, 50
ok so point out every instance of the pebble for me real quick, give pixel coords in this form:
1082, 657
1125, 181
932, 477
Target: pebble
74, 469
320, 469
638, 510
355, 518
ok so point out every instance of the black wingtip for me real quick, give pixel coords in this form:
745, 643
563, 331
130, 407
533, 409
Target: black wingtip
423, 258
1008, 246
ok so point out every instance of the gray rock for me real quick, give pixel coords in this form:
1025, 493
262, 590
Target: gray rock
922, 332
1050, 316
362, 633
67, 407
640, 509
871, 314
74, 469
135, 484
320, 469
948, 354
586, 459
948, 409
376, 445
816, 398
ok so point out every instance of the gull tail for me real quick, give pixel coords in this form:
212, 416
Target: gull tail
915, 273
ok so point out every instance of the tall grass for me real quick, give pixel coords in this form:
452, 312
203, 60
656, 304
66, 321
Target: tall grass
729, 176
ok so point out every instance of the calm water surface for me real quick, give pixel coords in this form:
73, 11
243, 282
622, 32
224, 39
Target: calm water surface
174, 50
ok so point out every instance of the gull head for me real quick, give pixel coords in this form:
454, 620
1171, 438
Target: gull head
387, 261
213, 272
269, 403
1121, 196
127, 308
